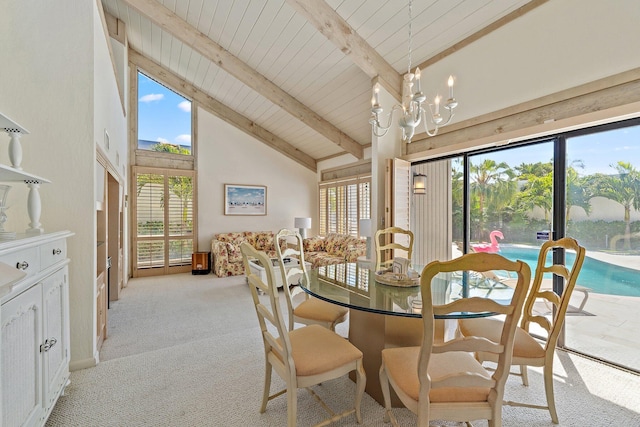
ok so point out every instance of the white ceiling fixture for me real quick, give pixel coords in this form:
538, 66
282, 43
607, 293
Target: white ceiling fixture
413, 108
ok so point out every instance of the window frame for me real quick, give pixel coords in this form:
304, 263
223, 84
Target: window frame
167, 236
345, 218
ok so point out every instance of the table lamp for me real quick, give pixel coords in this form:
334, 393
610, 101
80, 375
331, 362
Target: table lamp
302, 224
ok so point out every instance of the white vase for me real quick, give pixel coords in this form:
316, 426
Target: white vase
4, 192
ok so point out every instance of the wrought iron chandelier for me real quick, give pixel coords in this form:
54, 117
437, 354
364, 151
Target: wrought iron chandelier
414, 110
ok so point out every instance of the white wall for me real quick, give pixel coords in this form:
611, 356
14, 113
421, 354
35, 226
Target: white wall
109, 115
47, 85
559, 45
227, 155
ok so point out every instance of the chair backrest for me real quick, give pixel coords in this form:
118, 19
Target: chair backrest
394, 238
476, 262
274, 331
291, 241
560, 302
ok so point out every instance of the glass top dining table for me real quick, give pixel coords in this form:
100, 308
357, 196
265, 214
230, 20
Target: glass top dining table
353, 286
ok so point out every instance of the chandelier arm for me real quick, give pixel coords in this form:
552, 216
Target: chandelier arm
378, 126
449, 119
381, 134
388, 125
434, 132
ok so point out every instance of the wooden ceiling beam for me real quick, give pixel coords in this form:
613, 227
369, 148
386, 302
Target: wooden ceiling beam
588, 103
220, 110
341, 34
483, 32
189, 35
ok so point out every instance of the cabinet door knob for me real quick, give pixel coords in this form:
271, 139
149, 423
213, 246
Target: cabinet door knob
22, 265
48, 344
57, 251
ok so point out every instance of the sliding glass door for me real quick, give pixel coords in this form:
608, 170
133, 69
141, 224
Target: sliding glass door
603, 185
582, 184
510, 197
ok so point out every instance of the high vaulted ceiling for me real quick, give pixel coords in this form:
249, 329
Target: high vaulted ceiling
298, 73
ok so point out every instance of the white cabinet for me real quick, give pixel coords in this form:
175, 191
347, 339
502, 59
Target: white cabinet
34, 329
55, 336
21, 361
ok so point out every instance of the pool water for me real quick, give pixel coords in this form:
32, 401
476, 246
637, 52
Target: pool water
601, 277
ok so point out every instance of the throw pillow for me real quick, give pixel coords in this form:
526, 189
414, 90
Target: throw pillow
313, 244
264, 241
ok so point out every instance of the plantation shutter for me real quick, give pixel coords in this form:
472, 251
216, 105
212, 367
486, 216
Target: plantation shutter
343, 203
164, 228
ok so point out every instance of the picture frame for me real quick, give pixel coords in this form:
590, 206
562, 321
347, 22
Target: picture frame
245, 199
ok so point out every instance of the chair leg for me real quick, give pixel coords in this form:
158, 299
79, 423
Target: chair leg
292, 405
267, 386
361, 382
548, 389
524, 375
384, 385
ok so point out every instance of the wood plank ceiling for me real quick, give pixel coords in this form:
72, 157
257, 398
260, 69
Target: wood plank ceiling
300, 70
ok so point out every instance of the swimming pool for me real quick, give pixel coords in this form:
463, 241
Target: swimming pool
601, 277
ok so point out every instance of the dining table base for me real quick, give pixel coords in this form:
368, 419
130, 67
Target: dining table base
373, 332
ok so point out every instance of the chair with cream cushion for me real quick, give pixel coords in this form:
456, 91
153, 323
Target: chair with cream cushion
443, 380
310, 310
528, 350
303, 357
395, 238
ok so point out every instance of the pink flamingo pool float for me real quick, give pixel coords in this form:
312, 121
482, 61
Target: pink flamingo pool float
486, 247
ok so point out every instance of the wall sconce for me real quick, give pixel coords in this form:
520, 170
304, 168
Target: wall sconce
302, 224
419, 184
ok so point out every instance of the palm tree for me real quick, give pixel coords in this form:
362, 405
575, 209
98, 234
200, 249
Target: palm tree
457, 201
538, 169
500, 199
578, 190
624, 188
537, 191
490, 184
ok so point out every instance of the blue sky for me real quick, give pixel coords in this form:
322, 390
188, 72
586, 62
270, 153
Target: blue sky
596, 151
242, 195
163, 115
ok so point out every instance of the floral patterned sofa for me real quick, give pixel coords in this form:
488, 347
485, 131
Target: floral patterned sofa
225, 250
333, 249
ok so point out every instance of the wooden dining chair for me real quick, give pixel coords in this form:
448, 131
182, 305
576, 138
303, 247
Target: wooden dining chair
310, 310
443, 380
392, 239
529, 350
302, 357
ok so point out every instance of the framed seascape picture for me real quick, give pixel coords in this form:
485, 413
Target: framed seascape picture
245, 199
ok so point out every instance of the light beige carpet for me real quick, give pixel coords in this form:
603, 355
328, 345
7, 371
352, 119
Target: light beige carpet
186, 350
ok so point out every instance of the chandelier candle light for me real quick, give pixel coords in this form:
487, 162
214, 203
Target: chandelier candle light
414, 110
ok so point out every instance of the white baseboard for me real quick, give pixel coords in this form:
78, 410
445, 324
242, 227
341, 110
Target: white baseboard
77, 365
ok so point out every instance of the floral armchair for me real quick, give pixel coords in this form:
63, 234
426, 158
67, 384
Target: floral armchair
225, 249
333, 249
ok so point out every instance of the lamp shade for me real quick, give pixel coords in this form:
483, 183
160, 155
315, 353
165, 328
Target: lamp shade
419, 184
365, 227
303, 223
